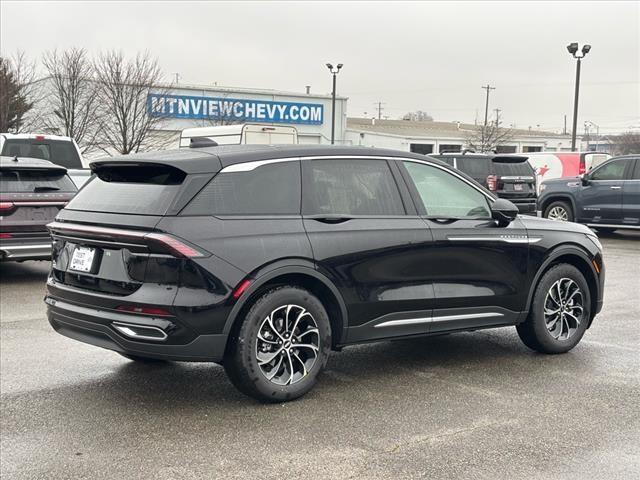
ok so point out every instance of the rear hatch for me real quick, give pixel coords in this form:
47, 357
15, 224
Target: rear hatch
105, 241
514, 178
30, 198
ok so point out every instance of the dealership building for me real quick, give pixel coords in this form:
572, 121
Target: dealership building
189, 106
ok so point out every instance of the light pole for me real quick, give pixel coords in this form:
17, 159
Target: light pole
334, 72
573, 50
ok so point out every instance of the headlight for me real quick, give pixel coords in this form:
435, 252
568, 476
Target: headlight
595, 241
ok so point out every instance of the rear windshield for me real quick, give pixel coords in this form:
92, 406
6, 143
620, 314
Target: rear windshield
521, 169
147, 190
30, 181
60, 152
475, 167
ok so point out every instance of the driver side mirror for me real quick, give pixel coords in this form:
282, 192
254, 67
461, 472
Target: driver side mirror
585, 180
504, 212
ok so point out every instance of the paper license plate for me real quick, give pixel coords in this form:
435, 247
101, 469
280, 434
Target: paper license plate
518, 186
82, 259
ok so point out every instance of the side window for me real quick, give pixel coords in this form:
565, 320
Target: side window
271, 189
610, 171
351, 187
445, 195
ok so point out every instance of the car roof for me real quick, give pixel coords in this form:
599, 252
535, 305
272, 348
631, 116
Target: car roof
33, 136
212, 159
8, 163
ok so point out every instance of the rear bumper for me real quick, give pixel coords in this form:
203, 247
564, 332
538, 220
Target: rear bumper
100, 328
25, 250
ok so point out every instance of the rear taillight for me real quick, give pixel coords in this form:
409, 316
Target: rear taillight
492, 182
39, 137
582, 169
5, 235
154, 311
174, 245
6, 206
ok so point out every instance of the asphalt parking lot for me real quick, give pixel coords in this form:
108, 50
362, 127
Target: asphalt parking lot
476, 405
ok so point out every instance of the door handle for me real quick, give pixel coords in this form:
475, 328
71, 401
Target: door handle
330, 219
615, 188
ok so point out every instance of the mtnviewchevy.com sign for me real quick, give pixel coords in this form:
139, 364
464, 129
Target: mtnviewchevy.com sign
212, 108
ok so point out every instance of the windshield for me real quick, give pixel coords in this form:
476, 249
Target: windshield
29, 181
60, 152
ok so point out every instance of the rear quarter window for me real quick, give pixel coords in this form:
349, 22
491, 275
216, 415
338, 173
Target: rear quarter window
271, 189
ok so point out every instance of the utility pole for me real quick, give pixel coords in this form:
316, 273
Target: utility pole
564, 130
379, 107
488, 88
497, 110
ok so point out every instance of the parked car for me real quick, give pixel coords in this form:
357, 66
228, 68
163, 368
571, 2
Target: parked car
508, 176
59, 150
266, 258
550, 165
32, 192
606, 198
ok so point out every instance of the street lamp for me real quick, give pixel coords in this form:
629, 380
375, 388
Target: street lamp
573, 50
592, 124
334, 72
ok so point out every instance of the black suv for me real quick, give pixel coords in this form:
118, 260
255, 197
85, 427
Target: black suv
32, 192
265, 258
508, 176
606, 198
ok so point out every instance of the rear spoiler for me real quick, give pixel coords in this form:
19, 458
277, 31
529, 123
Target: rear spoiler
509, 159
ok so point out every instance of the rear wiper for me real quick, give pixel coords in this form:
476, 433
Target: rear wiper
45, 189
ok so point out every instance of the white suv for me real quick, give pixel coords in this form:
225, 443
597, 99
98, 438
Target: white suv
59, 150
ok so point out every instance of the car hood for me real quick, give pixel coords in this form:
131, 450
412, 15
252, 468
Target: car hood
537, 223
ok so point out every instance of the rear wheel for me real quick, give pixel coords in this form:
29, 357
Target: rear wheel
559, 312
280, 347
559, 210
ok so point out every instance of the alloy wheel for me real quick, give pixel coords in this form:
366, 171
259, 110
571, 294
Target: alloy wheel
563, 308
287, 345
558, 213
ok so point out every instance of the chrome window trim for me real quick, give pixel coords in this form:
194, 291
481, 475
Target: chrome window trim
249, 166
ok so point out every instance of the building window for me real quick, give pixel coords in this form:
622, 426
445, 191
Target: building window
506, 149
444, 148
527, 149
423, 148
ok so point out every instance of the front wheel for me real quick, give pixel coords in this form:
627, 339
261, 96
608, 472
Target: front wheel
280, 347
559, 313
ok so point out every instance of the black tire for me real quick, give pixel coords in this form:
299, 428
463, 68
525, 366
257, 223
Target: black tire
139, 359
559, 205
241, 362
534, 332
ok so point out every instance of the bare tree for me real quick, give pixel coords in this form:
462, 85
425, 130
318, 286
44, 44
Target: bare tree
18, 93
417, 116
122, 89
626, 143
72, 96
487, 138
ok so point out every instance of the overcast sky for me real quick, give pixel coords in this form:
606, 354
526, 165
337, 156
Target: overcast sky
424, 55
